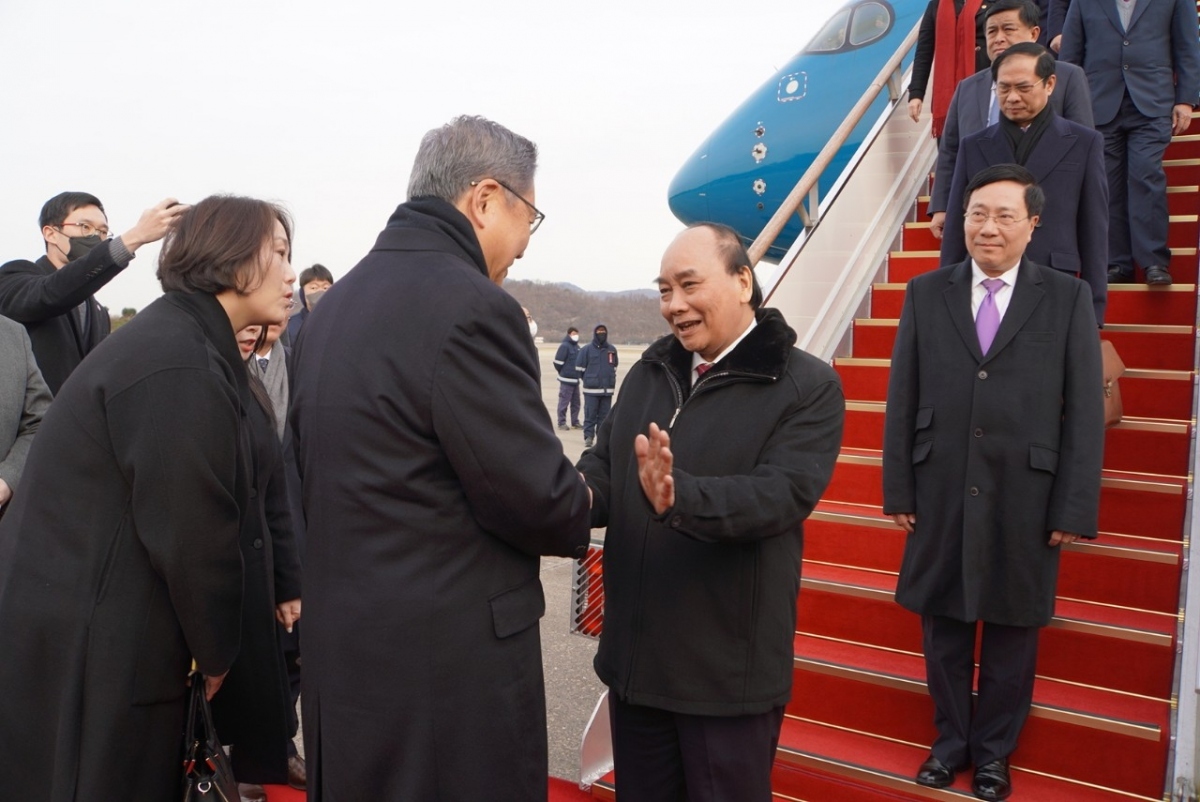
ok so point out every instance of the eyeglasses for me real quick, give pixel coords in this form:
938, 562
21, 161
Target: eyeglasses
538, 217
1006, 221
88, 229
1002, 90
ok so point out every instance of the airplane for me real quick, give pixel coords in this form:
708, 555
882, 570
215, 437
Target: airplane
742, 172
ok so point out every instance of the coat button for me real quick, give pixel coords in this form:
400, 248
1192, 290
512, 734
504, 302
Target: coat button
982, 374
257, 543
1125, 66
676, 521
1126, 43
253, 492
979, 432
974, 491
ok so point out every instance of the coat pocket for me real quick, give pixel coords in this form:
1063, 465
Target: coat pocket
921, 449
1043, 458
924, 418
518, 608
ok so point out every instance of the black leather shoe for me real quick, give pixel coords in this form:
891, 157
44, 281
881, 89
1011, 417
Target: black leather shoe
297, 773
1157, 275
992, 781
935, 774
1115, 276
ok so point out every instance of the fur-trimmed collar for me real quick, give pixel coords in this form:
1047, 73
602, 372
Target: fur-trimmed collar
764, 352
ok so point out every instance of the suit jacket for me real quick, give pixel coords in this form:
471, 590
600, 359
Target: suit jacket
45, 298
969, 113
993, 452
24, 398
1157, 60
1069, 165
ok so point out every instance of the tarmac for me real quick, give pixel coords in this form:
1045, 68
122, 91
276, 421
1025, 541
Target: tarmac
572, 688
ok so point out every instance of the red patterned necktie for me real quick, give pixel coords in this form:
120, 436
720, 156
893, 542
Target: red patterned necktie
702, 368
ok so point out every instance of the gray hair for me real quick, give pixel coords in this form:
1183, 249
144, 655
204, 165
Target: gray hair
468, 149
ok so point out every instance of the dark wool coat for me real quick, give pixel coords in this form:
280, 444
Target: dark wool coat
700, 602
432, 482
45, 298
1068, 163
251, 709
119, 560
992, 453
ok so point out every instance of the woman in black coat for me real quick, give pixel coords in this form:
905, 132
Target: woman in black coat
251, 711
120, 559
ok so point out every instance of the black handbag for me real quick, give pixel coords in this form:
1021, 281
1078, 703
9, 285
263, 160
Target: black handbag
207, 773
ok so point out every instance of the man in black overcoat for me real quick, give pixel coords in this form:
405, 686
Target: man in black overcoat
719, 448
991, 461
54, 296
433, 482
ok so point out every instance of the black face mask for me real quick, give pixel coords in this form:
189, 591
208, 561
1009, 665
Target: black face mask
601, 337
82, 246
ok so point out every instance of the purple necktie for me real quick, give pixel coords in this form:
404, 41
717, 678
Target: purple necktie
987, 321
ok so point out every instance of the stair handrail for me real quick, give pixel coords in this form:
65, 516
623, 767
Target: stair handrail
890, 77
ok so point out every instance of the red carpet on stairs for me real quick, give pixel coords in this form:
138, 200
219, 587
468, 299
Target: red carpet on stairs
560, 791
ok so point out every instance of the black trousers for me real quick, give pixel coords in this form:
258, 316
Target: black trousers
1007, 663
1134, 145
660, 756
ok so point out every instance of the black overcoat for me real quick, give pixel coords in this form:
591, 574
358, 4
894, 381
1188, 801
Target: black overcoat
119, 560
992, 453
700, 602
251, 709
432, 482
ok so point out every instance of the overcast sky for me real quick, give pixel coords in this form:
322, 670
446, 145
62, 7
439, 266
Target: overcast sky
321, 105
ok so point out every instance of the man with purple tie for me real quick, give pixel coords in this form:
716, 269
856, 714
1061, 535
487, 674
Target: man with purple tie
992, 452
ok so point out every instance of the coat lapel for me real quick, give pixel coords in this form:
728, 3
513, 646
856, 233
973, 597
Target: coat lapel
1050, 150
995, 147
1027, 294
983, 101
958, 305
1110, 8
1138, 10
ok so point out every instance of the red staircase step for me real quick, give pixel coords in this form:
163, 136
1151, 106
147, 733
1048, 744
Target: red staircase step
1127, 736
817, 762
1183, 199
1181, 171
1121, 649
1145, 393
1148, 447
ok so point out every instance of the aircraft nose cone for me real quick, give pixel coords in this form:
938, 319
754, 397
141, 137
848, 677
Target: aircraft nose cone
688, 193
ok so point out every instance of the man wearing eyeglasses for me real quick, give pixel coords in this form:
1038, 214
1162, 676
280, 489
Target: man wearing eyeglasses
975, 105
54, 296
993, 443
433, 481
1066, 159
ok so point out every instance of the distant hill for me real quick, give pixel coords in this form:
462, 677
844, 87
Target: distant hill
632, 316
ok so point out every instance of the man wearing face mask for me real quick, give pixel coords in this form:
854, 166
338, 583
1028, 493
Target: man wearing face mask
597, 367
54, 296
568, 379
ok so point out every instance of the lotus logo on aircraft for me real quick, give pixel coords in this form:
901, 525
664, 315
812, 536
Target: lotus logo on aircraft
793, 87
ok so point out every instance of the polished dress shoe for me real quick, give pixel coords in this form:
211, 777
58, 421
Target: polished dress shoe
935, 774
1157, 275
250, 792
992, 781
1115, 276
297, 773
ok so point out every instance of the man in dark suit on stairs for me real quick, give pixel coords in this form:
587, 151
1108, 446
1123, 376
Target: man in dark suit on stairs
975, 105
1142, 59
1066, 159
992, 454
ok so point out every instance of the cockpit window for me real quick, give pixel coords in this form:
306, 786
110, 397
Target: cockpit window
833, 36
871, 21
854, 27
